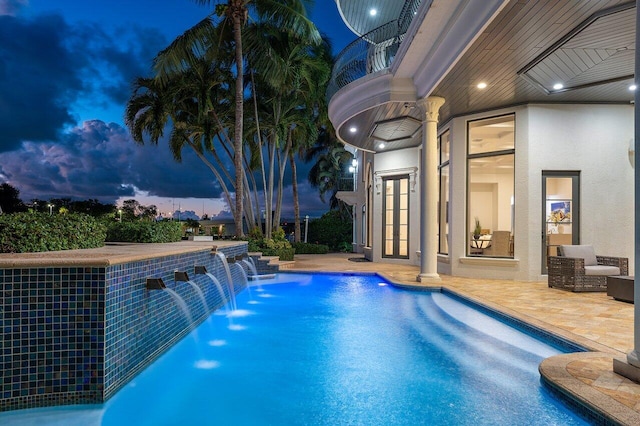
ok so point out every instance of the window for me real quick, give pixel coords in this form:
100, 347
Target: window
443, 204
490, 186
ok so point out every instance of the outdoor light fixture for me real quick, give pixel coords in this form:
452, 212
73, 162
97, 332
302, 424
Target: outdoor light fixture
482, 85
633, 87
381, 145
354, 162
557, 86
373, 12
353, 129
352, 169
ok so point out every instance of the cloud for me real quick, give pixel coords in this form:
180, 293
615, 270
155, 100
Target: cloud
12, 7
100, 160
50, 72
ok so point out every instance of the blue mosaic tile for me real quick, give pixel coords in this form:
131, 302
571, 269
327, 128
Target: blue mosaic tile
76, 335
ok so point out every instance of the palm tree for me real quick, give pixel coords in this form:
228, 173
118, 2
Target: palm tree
291, 75
192, 103
289, 15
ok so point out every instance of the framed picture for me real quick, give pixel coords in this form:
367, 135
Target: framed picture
558, 211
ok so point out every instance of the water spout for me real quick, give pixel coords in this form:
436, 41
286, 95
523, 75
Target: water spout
251, 267
230, 286
180, 276
155, 284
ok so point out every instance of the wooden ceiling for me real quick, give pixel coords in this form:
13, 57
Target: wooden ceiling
589, 46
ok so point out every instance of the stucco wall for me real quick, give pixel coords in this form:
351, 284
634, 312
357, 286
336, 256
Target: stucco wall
593, 139
397, 163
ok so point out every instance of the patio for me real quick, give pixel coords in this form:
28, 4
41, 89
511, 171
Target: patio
593, 320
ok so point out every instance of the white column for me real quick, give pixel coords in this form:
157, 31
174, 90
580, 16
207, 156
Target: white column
429, 190
633, 357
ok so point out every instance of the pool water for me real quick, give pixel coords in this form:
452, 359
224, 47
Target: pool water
328, 349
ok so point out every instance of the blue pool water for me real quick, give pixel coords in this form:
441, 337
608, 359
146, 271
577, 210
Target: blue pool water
330, 349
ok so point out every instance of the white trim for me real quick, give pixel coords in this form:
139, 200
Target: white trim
489, 261
411, 171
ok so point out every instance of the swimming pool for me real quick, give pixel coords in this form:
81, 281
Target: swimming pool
335, 349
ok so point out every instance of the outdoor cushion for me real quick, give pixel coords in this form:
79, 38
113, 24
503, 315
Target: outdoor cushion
585, 252
601, 270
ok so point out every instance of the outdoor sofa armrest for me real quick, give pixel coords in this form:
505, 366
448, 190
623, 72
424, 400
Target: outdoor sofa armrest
620, 262
560, 265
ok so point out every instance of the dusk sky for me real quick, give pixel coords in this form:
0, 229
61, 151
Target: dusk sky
66, 68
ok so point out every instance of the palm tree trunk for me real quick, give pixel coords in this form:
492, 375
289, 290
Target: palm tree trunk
296, 200
268, 202
264, 176
238, 20
282, 165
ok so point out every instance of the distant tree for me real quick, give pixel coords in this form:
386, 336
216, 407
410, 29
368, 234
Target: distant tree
10, 199
92, 207
133, 210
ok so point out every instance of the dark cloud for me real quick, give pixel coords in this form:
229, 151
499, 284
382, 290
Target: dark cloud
38, 80
47, 66
99, 160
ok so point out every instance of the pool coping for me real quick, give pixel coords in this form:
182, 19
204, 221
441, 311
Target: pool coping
107, 255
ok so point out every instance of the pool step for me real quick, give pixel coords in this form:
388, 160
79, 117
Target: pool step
270, 264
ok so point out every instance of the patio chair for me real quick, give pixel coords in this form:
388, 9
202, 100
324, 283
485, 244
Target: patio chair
578, 268
499, 244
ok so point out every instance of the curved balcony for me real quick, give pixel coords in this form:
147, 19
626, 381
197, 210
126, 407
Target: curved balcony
373, 51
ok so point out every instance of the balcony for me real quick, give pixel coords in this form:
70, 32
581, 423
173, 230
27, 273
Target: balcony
372, 52
347, 183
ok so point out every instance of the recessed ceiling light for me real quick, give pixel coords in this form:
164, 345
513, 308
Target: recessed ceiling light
373, 12
381, 145
633, 87
557, 86
482, 85
353, 129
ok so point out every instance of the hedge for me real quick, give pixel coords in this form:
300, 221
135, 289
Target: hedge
308, 248
38, 232
144, 232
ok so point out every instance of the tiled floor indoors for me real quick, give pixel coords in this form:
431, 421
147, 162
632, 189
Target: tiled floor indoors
593, 320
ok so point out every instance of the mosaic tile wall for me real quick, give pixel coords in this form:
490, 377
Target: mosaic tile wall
76, 335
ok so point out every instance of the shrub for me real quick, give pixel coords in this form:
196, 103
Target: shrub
145, 232
308, 248
277, 245
38, 232
332, 229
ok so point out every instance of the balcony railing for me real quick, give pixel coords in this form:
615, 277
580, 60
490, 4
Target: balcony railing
346, 183
373, 51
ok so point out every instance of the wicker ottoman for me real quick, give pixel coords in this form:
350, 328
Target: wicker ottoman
620, 288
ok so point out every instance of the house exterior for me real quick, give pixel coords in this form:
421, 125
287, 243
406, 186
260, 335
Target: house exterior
516, 116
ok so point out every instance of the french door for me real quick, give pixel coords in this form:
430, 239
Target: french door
395, 220
560, 212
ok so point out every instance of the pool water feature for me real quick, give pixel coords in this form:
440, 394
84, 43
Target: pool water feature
336, 349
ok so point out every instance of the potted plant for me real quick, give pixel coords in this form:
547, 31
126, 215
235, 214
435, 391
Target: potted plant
477, 230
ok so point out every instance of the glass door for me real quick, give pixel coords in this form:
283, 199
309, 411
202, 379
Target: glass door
396, 218
560, 212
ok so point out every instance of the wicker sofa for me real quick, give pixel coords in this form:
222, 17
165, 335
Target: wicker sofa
578, 268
